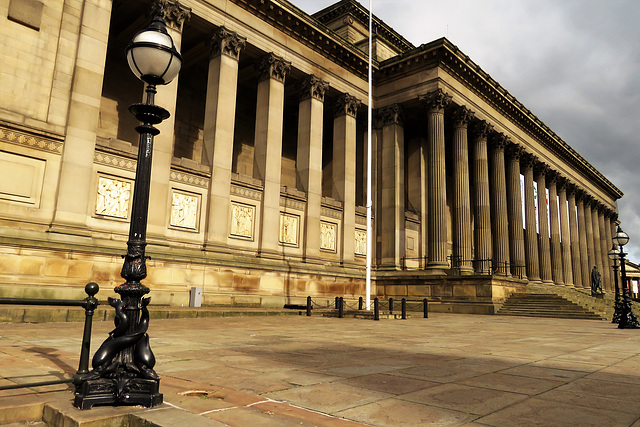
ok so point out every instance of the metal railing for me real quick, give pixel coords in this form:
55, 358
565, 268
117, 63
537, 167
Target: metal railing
90, 303
339, 305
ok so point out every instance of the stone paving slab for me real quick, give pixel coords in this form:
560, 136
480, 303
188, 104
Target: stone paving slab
448, 370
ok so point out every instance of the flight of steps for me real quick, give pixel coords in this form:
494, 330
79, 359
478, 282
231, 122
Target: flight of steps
544, 305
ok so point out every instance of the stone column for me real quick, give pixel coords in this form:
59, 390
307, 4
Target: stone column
604, 250
87, 71
219, 124
482, 206
514, 199
462, 238
582, 232
565, 225
309, 160
435, 103
609, 226
556, 250
268, 147
544, 249
160, 192
576, 254
344, 170
597, 249
392, 179
589, 227
531, 241
499, 206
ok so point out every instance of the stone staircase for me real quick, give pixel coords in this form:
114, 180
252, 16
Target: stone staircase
545, 305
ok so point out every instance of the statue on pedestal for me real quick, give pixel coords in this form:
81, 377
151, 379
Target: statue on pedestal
596, 282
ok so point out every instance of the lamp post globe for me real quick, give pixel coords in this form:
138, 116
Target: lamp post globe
621, 238
123, 365
614, 255
152, 55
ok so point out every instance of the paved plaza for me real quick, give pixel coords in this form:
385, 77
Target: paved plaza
294, 370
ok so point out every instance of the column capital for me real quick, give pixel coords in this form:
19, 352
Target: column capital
346, 105
174, 13
515, 151
552, 176
462, 116
528, 160
313, 87
435, 101
272, 66
541, 169
499, 141
391, 115
580, 194
227, 42
482, 129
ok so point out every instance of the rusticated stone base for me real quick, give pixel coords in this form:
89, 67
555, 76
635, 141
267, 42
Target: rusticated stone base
469, 294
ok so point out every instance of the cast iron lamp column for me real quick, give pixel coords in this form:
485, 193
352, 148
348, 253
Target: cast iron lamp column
614, 254
123, 365
627, 318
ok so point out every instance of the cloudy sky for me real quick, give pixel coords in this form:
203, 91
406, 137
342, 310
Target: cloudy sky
574, 63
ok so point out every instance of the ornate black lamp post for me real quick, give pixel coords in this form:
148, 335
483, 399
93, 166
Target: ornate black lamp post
123, 365
614, 254
627, 318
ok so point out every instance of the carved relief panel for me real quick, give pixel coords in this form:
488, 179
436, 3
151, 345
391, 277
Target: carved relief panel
361, 242
113, 197
184, 210
328, 232
289, 229
242, 219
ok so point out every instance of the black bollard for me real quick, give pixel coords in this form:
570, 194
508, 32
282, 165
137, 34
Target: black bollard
308, 306
341, 308
425, 308
404, 308
390, 305
90, 304
337, 299
376, 309
360, 303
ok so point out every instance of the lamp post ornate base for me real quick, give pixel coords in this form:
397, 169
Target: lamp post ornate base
628, 320
123, 365
617, 314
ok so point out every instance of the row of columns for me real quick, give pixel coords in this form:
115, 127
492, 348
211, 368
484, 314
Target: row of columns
218, 149
574, 230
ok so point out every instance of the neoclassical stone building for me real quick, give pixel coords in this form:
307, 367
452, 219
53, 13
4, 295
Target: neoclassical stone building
259, 176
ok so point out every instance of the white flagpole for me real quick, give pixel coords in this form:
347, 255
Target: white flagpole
369, 163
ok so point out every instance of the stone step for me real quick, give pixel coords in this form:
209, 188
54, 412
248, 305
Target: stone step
552, 313
554, 316
545, 305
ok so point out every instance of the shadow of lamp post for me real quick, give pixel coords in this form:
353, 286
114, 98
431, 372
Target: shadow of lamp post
614, 254
627, 318
123, 365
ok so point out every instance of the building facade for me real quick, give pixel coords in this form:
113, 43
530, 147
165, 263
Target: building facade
259, 176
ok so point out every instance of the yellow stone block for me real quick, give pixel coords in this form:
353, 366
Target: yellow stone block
30, 266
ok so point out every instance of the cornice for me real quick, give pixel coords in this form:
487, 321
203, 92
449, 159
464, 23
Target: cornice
442, 53
298, 25
361, 14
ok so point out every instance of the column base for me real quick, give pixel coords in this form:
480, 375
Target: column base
437, 269
73, 230
270, 254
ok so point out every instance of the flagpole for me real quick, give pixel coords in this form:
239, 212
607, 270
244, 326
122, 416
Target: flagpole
369, 163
